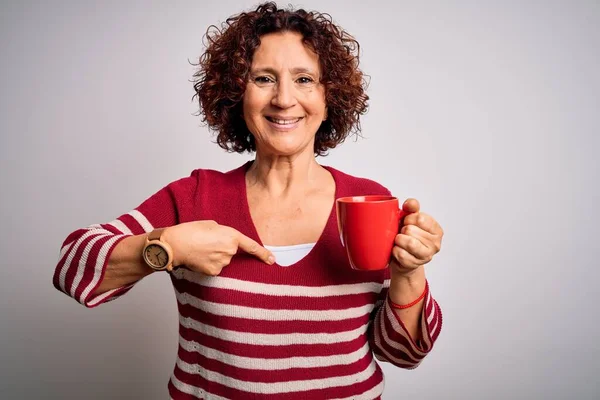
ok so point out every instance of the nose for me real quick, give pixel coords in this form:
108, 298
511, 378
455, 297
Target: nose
284, 96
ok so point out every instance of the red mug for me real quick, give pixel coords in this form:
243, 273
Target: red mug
368, 226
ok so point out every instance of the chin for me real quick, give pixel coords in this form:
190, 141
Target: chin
287, 148
286, 152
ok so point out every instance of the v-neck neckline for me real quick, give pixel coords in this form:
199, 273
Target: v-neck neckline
328, 230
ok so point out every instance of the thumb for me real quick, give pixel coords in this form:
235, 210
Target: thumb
252, 247
411, 206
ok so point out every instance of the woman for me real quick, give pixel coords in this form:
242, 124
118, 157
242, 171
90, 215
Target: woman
269, 307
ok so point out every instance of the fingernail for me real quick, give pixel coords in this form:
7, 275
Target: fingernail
271, 259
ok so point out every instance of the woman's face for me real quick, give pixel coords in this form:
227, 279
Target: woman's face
284, 103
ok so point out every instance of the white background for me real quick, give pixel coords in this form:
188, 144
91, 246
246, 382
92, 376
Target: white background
487, 112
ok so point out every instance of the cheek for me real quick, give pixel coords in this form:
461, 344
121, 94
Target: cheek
248, 105
318, 110
251, 113
255, 100
316, 104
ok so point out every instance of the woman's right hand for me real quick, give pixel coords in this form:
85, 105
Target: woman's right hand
207, 247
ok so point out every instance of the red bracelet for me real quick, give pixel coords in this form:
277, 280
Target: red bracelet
412, 303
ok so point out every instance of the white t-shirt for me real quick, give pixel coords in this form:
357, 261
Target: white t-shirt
288, 255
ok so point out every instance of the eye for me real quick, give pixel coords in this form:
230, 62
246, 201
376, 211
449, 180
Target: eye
305, 80
263, 80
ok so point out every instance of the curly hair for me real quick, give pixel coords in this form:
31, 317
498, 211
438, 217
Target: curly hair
223, 70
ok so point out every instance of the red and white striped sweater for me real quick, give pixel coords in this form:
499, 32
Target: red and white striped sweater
311, 330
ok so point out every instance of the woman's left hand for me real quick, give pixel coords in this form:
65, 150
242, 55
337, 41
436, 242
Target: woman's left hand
418, 241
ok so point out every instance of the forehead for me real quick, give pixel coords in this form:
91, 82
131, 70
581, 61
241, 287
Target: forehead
284, 49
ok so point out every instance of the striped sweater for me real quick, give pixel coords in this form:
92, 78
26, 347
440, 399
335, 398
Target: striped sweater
312, 330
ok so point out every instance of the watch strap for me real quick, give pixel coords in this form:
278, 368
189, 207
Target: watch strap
156, 234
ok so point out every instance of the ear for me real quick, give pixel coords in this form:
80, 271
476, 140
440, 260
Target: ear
326, 114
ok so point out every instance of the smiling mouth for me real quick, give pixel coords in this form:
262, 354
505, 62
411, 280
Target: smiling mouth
283, 121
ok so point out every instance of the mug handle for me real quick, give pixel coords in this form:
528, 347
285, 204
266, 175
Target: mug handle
401, 215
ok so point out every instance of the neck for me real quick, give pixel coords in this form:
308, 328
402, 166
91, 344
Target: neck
282, 175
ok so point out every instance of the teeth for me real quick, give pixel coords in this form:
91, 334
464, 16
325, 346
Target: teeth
285, 121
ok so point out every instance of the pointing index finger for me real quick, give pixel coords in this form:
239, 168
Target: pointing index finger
252, 247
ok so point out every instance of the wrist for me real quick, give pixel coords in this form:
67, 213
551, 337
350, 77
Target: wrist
168, 237
404, 288
405, 306
410, 278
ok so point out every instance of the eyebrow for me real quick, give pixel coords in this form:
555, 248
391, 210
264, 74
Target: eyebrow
297, 70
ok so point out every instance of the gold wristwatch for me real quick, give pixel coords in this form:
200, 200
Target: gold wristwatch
157, 253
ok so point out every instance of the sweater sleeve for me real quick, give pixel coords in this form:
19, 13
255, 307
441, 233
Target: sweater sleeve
389, 338
84, 254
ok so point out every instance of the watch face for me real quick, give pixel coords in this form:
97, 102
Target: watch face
156, 256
